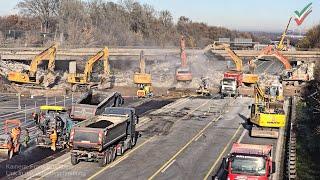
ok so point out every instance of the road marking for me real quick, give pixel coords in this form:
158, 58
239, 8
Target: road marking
168, 166
198, 137
182, 149
221, 154
121, 159
242, 135
53, 170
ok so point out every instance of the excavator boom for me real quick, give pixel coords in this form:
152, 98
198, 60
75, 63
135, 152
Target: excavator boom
30, 77
271, 51
83, 79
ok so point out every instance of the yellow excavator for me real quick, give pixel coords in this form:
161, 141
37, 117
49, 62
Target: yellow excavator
30, 76
266, 116
143, 79
247, 78
281, 46
77, 80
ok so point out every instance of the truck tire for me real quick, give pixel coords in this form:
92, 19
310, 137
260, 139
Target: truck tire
114, 153
10, 154
134, 140
103, 161
110, 156
74, 159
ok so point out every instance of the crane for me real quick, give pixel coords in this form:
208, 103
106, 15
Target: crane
183, 73
30, 77
84, 79
143, 79
281, 46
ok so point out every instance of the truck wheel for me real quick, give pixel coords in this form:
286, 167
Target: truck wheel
134, 140
103, 161
10, 154
110, 156
74, 159
114, 153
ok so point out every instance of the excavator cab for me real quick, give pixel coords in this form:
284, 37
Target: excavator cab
9, 141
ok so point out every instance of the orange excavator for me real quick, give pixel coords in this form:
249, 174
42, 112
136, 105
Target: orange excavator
291, 75
9, 141
183, 73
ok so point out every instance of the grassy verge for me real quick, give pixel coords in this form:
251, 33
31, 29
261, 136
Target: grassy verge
308, 141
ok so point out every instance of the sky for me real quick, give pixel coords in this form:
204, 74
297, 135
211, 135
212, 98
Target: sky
242, 15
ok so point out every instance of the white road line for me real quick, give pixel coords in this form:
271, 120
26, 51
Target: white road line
168, 166
242, 135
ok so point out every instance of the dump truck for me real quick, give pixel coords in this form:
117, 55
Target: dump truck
54, 126
103, 137
10, 140
230, 83
93, 103
247, 161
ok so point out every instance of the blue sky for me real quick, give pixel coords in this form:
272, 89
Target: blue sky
267, 15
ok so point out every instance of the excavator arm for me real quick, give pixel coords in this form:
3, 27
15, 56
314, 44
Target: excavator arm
183, 55
271, 51
92, 60
235, 58
142, 63
49, 54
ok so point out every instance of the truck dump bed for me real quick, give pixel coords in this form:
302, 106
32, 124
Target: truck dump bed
94, 103
100, 131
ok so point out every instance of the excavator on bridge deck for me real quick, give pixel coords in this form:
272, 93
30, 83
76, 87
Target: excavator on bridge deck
78, 80
30, 76
267, 116
234, 78
143, 79
183, 73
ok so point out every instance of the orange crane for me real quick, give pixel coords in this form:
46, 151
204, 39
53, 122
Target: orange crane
183, 73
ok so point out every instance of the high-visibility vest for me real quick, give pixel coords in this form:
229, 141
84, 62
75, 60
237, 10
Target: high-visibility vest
54, 136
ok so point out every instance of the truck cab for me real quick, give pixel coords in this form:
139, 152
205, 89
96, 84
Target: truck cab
229, 87
247, 161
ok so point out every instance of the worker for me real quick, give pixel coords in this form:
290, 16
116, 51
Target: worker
35, 117
26, 138
53, 138
15, 134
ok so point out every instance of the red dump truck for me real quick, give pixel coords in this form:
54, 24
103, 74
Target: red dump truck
93, 103
247, 161
103, 137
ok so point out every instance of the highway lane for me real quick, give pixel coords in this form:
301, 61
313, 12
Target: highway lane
192, 121
162, 122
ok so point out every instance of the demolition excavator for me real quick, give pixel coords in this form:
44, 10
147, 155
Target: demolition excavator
267, 116
234, 78
183, 73
9, 141
30, 76
84, 79
143, 79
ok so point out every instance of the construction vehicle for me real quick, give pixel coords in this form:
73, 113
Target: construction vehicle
281, 46
10, 140
292, 76
93, 103
54, 126
143, 79
30, 76
102, 138
183, 73
204, 87
84, 80
266, 117
247, 161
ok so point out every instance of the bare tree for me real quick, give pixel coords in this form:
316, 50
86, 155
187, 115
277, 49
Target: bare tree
43, 9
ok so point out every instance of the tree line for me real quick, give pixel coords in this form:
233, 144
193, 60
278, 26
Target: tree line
97, 22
